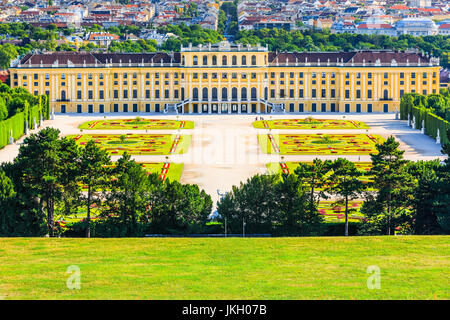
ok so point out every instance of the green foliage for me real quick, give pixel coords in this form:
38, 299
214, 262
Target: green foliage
188, 34
3, 110
268, 204
8, 52
433, 110
20, 106
387, 208
345, 184
315, 40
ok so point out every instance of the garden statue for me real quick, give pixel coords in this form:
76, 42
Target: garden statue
53, 113
35, 124
26, 127
409, 121
438, 137
423, 127
11, 138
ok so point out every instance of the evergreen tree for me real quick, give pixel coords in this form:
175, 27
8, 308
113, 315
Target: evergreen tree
39, 161
393, 185
312, 181
345, 184
93, 174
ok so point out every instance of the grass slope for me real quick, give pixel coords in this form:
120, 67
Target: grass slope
412, 267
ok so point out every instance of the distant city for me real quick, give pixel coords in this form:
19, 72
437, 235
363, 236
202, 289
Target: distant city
392, 18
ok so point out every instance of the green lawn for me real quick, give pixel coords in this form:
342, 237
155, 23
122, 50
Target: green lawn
137, 124
412, 267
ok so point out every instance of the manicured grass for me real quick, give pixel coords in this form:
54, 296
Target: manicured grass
138, 143
411, 267
171, 171
137, 124
319, 143
309, 123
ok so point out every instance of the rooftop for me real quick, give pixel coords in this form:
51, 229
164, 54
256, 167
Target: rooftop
348, 59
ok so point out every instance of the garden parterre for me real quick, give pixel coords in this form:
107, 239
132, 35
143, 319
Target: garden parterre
138, 144
333, 212
309, 123
289, 167
137, 124
319, 144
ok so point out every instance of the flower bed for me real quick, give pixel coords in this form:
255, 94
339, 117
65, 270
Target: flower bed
289, 167
307, 144
135, 144
335, 213
137, 124
309, 123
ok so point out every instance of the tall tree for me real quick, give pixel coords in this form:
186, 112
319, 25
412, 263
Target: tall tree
93, 174
70, 164
6, 194
129, 194
40, 163
345, 184
312, 180
252, 202
392, 182
293, 218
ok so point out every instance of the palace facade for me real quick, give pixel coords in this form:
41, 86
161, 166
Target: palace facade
225, 78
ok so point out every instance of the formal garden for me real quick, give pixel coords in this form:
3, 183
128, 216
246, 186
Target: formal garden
137, 123
137, 144
319, 144
309, 123
289, 167
333, 212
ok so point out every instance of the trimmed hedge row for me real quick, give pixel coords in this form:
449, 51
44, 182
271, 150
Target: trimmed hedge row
432, 122
16, 124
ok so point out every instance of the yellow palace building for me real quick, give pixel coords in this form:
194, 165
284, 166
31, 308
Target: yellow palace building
227, 78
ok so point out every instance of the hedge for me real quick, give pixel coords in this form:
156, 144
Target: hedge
17, 122
432, 122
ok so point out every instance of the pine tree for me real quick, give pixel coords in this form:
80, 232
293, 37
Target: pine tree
392, 182
93, 173
345, 184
